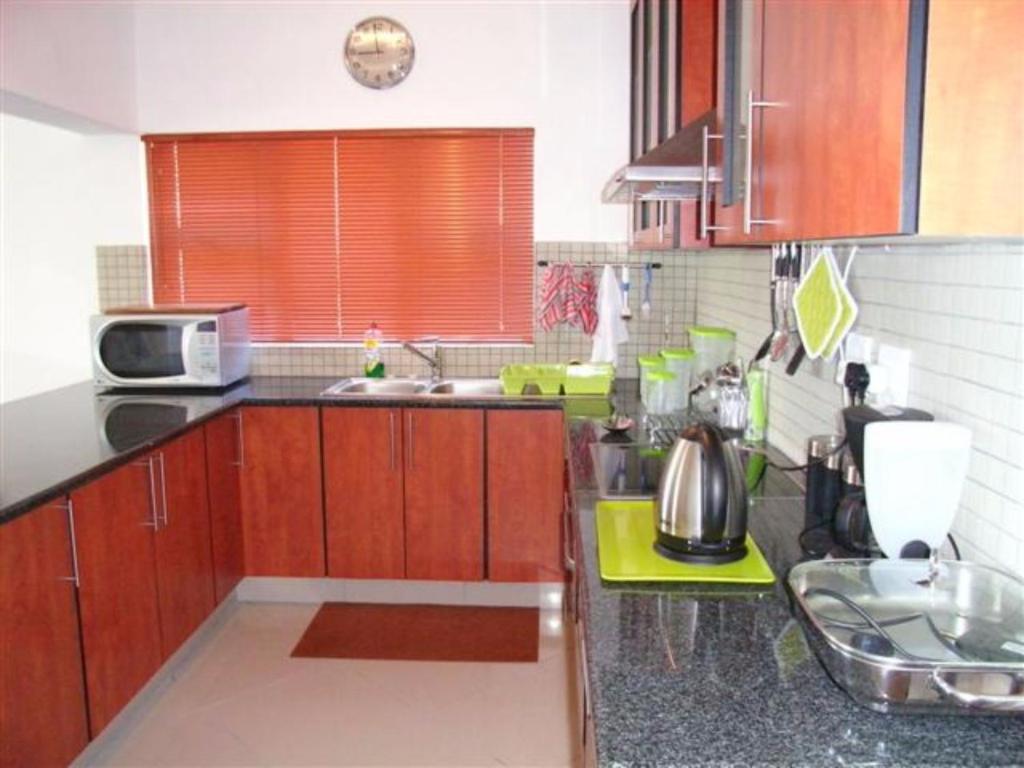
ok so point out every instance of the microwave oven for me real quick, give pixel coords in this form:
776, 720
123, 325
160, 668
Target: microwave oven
171, 346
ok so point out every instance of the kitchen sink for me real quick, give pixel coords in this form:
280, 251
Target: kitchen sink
367, 386
468, 388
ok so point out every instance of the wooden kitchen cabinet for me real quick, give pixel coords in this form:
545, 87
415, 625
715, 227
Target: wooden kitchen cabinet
223, 459
972, 157
184, 560
42, 691
525, 495
444, 493
364, 492
115, 518
871, 118
672, 82
834, 154
282, 506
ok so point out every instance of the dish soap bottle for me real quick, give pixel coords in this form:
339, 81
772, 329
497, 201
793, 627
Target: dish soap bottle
374, 366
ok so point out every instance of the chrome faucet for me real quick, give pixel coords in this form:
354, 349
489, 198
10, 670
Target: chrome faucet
434, 359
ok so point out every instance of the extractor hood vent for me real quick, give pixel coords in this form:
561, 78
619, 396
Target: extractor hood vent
674, 170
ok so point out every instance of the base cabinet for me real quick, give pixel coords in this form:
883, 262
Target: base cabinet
115, 519
282, 505
444, 493
42, 692
184, 560
525, 492
223, 460
364, 492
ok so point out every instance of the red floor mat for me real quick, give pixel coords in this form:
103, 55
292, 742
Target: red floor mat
421, 633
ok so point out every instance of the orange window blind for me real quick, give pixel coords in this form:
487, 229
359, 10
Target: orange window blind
321, 234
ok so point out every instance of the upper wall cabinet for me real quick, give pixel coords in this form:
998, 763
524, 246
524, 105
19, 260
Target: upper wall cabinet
834, 126
672, 84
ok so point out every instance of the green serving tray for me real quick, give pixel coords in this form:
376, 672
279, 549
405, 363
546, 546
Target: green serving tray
625, 544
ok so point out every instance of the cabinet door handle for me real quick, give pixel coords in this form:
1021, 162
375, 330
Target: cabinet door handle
155, 522
568, 560
163, 487
748, 191
237, 416
75, 576
705, 174
409, 449
391, 439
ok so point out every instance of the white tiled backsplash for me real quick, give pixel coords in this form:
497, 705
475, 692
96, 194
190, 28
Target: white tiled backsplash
959, 309
123, 280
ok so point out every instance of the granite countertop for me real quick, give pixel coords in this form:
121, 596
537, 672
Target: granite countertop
720, 675
58, 440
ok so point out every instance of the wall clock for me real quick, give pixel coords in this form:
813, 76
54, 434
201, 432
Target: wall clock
379, 52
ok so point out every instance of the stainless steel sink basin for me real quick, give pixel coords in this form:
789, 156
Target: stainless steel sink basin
468, 388
389, 387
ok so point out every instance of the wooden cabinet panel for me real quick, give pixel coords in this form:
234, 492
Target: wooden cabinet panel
183, 552
972, 173
42, 691
444, 493
738, 69
364, 492
525, 486
120, 614
832, 156
282, 505
223, 458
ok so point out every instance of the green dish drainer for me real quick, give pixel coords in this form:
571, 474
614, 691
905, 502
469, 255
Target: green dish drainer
589, 379
547, 377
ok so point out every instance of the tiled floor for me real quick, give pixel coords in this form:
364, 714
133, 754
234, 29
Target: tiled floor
243, 701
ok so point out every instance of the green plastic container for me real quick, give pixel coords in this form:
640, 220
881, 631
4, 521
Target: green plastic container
682, 353
589, 379
714, 347
547, 377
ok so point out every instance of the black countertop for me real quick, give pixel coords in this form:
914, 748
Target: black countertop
53, 442
720, 675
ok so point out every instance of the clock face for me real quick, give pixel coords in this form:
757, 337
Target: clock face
379, 52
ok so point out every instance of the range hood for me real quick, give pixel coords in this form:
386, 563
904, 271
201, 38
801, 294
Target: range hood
674, 170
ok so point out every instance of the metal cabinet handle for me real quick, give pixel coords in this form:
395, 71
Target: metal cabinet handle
409, 448
1004, 703
237, 416
155, 522
568, 560
163, 486
391, 439
748, 192
75, 576
705, 172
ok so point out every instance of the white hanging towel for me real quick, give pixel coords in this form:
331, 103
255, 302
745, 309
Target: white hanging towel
611, 328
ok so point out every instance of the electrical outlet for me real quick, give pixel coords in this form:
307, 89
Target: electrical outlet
859, 349
896, 363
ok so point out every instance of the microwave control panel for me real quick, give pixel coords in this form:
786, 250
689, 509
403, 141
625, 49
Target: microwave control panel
207, 349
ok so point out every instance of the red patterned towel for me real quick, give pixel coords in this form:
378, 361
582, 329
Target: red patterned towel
585, 292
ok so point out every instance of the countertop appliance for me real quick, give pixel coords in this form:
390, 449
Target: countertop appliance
914, 635
701, 512
171, 346
851, 526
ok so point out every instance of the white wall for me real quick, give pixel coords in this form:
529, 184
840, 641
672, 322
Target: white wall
69, 56
62, 194
560, 67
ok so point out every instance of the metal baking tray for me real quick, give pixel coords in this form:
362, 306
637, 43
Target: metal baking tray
916, 635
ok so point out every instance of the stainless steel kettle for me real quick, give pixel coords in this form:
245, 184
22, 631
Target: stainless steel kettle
701, 514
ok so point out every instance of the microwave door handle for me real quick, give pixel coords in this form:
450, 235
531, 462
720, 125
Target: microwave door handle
188, 340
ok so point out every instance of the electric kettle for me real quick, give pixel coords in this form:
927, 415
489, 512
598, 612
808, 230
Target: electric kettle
701, 514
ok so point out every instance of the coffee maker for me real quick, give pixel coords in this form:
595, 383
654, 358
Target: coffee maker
836, 507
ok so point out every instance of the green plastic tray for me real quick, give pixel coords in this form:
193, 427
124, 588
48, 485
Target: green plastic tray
547, 377
625, 544
589, 379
